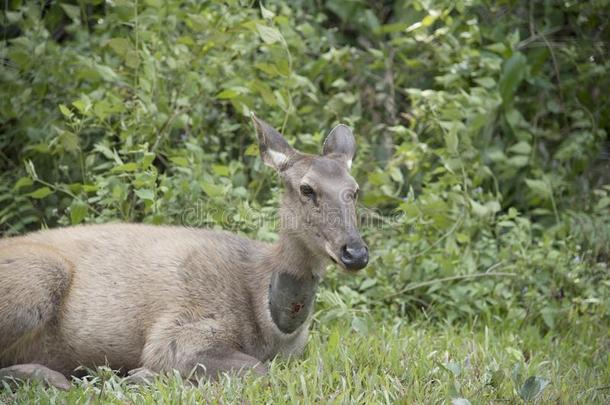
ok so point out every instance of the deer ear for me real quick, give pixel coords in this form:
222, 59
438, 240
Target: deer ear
274, 149
340, 141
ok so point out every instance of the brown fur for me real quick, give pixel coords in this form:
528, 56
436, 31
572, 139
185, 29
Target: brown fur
163, 297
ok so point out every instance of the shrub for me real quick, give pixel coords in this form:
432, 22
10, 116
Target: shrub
482, 131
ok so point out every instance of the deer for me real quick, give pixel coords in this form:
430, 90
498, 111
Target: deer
149, 299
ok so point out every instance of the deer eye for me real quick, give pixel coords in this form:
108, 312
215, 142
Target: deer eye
307, 191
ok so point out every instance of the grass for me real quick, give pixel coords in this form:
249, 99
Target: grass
418, 363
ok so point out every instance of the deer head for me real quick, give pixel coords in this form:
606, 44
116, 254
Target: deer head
318, 206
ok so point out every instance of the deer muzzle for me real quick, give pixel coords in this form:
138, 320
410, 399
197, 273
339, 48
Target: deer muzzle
354, 257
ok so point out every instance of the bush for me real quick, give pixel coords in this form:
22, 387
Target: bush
482, 132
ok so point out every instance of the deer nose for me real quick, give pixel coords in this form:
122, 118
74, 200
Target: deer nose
354, 257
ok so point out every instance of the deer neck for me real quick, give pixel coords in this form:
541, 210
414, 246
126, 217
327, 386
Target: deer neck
294, 278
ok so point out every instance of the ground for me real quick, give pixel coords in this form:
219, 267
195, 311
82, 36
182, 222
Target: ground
398, 362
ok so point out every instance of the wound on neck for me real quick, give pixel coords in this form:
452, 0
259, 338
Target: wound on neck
291, 299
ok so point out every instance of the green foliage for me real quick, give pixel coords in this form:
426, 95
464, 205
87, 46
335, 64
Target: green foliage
482, 133
483, 161
396, 363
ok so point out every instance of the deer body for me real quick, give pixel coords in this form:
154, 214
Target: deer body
127, 283
163, 298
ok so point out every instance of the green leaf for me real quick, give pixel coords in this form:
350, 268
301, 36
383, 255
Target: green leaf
21, 58
266, 13
106, 73
90, 188
532, 388
498, 48
197, 21
212, 190
269, 35
493, 206
513, 73
31, 169
180, 160
602, 204
514, 118
522, 148
451, 140
540, 187
104, 108
251, 150
227, 94
553, 106
22, 182
65, 111
147, 159
104, 150
518, 161
13, 17
83, 105
396, 174
486, 82
265, 91
119, 45
68, 140
478, 209
145, 194
368, 283
71, 11
428, 20
126, 167
78, 212
40, 193
221, 170
268, 68
132, 59
548, 316
360, 325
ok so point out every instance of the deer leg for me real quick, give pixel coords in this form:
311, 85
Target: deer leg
197, 349
35, 372
141, 376
217, 360
34, 279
